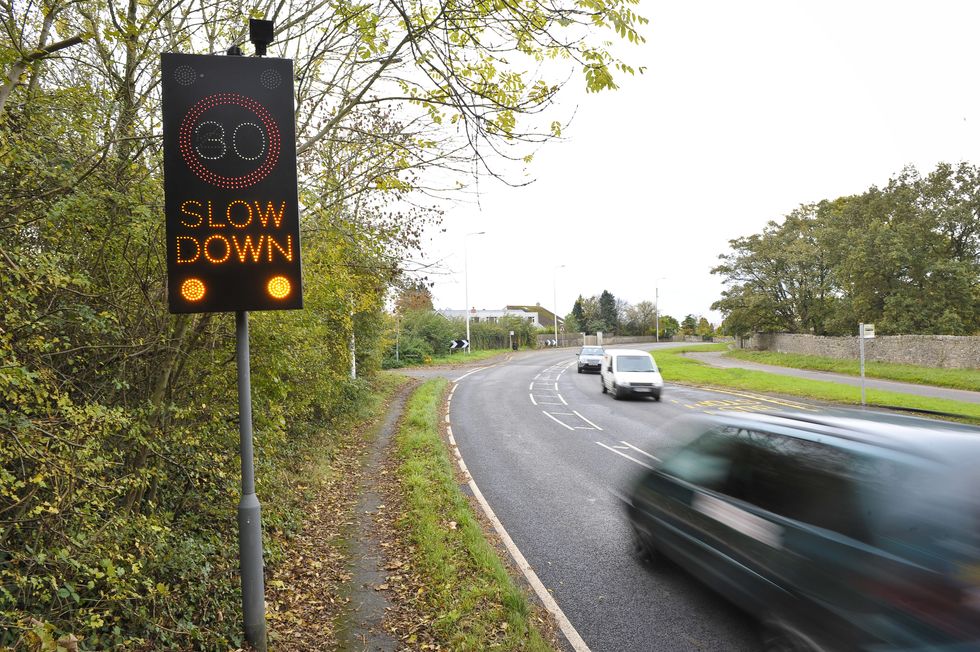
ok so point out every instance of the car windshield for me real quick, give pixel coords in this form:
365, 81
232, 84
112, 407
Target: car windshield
635, 363
591, 350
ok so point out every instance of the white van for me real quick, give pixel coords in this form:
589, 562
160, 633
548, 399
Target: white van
630, 371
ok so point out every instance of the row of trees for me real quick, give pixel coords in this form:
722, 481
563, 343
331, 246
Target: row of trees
606, 313
905, 257
118, 442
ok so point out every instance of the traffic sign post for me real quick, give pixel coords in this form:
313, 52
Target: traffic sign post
232, 217
865, 332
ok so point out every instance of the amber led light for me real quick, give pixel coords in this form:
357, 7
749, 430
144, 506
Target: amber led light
192, 289
279, 287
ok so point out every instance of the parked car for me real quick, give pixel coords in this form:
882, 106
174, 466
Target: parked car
845, 530
627, 372
590, 358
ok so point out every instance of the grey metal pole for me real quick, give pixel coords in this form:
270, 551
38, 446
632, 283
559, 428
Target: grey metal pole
656, 309
249, 510
861, 347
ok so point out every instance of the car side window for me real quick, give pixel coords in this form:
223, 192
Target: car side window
706, 462
799, 479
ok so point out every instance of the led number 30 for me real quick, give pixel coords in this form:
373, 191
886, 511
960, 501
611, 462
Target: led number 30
209, 140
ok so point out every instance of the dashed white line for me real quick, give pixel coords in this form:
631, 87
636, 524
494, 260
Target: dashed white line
557, 421
586, 420
631, 459
652, 457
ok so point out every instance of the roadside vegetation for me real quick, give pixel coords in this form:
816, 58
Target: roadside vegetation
953, 378
905, 257
418, 335
119, 470
465, 593
675, 367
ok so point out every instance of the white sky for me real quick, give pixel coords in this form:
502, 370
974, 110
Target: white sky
747, 110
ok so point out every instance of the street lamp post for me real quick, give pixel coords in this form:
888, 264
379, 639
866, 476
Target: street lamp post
554, 299
656, 303
466, 286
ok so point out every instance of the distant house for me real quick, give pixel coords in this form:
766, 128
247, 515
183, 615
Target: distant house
546, 318
494, 316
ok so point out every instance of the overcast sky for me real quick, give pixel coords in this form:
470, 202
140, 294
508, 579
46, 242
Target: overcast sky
747, 110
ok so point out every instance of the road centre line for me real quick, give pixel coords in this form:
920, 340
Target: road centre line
557, 421
652, 457
549, 602
631, 459
586, 420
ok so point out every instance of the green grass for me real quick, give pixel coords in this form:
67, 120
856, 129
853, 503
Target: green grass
675, 367
476, 603
955, 378
464, 358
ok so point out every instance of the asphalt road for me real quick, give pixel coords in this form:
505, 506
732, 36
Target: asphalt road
552, 455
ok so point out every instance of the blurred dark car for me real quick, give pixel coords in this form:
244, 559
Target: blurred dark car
846, 530
590, 358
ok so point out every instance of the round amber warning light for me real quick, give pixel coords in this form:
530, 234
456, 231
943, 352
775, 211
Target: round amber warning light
279, 287
192, 289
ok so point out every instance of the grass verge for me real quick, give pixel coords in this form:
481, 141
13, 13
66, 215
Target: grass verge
675, 367
954, 378
470, 598
466, 358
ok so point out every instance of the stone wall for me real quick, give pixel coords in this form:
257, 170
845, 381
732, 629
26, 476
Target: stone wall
947, 351
576, 340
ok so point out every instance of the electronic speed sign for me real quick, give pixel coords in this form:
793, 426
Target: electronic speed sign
230, 184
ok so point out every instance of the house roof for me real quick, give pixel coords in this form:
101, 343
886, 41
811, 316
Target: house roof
545, 316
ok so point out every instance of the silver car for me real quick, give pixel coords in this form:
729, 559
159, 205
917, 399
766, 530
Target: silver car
590, 358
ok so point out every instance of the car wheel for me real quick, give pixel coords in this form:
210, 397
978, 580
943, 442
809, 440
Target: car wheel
580, 369
617, 393
778, 636
603, 383
644, 548
656, 397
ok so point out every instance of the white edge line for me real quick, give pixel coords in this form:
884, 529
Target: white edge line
532, 399
652, 457
556, 420
624, 455
546, 598
586, 420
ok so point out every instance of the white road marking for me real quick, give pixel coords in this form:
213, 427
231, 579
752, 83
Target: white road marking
586, 420
557, 421
547, 403
653, 457
531, 386
532, 399
631, 459
562, 400
565, 625
471, 372
583, 428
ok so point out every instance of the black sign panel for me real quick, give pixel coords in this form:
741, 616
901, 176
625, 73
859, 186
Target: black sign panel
229, 158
